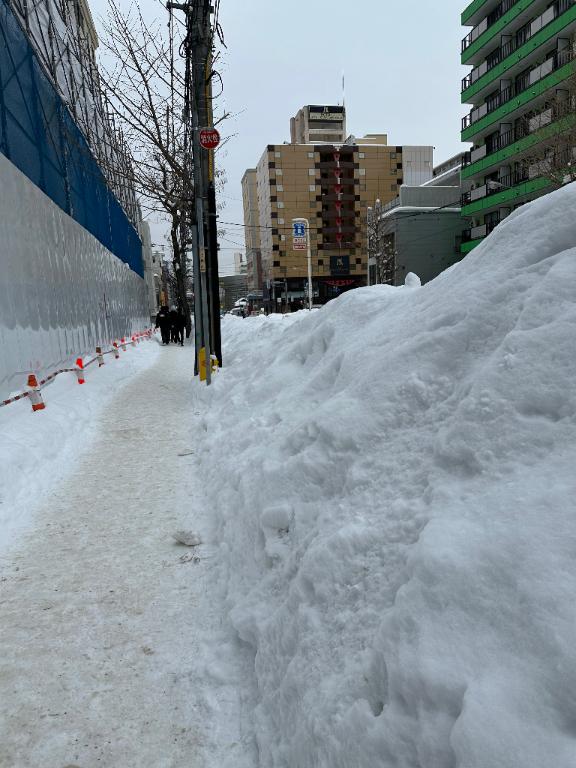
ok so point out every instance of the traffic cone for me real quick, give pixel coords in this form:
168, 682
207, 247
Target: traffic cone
34, 394
100, 357
80, 371
123, 343
116, 350
133, 340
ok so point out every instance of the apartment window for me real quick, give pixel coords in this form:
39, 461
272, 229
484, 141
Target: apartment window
282, 237
279, 188
320, 262
271, 164
273, 198
277, 154
311, 171
362, 171
280, 221
279, 172
274, 215
313, 204
361, 155
312, 187
274, 231
311, 155
276, 263
392, 155
280, 204
358, 261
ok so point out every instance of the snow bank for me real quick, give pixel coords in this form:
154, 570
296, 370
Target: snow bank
39, 449
394, 484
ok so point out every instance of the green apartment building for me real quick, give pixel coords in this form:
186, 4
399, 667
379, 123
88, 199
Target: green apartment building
521, 53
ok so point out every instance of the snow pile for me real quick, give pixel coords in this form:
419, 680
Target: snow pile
394, 484
38, 449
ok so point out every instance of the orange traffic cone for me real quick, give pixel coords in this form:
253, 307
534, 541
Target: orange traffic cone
100, 357
34, 394
80, 371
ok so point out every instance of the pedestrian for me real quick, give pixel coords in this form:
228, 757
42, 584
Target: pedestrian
180, 326
164, 323
174, 324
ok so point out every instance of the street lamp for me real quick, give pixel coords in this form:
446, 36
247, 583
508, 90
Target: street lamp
308, 248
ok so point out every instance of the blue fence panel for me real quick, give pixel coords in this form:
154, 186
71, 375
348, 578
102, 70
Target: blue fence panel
38, 134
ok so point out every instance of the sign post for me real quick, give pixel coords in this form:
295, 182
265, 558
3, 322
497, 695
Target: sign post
301, 242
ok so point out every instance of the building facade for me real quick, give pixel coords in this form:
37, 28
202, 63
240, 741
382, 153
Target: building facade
331, 185
315, 124
419, 231
252, 231
521, 54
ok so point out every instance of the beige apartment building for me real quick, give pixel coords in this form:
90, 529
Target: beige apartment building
252, 231
316, 124
332, 185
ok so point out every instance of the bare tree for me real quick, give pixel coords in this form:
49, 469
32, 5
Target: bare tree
554, 155
145, 87
381, 246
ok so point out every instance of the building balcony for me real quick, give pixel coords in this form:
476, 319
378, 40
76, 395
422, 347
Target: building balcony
487, 22
555, 62
491, 187
476, 11
476, 233
553, 118
522, 36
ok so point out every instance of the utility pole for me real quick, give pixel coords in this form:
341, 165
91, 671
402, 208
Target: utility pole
198, 109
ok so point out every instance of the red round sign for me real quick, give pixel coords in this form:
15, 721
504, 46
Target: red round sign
209, 138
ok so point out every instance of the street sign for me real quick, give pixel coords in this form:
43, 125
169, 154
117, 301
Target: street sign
299, 239
299, 244
209, 138
299, 229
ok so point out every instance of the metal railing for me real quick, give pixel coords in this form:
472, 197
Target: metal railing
475, 233
487, 22
522, 36
558, 60
494, 186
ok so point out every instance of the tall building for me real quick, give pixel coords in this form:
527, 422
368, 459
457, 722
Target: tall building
521, 54
252, 231
316, 124
330, 184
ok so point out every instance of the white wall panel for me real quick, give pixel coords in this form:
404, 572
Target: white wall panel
61, 292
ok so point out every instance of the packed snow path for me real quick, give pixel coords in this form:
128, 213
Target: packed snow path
104, 618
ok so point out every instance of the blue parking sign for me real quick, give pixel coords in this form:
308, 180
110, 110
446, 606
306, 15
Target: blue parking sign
299, 229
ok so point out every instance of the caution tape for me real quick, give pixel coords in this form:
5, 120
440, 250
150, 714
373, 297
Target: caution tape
43, 382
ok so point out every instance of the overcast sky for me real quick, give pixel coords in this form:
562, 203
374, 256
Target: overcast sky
401, 65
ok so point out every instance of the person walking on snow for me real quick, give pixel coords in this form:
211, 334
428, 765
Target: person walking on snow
177, 326
163, 321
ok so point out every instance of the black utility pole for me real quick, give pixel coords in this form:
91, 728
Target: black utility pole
198, 108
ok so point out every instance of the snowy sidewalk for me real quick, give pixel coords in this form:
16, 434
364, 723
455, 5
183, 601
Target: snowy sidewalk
103, 617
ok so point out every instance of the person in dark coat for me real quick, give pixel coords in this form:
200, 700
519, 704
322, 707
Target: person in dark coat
164, 322
178, 326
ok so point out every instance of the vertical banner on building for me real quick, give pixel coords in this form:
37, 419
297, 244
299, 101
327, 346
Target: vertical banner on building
299, 242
